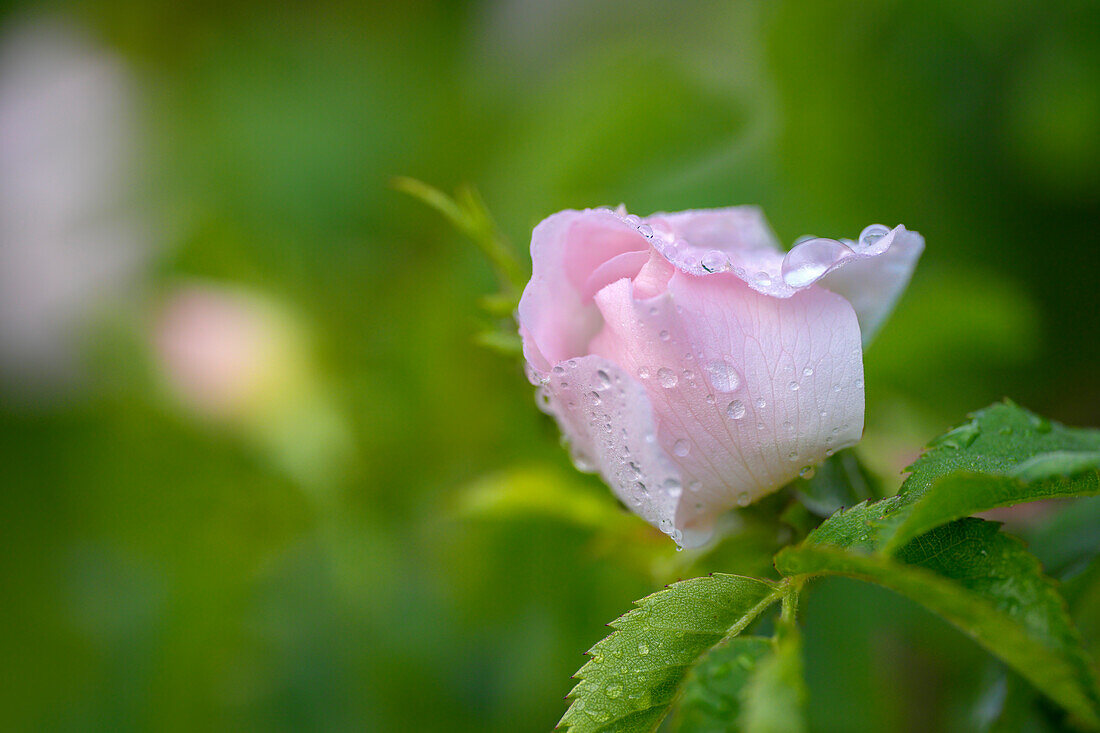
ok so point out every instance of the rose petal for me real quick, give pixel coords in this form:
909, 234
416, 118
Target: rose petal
557, 318
694, 364
738, 239
707, 241
627, 265
874, 280
606, 417
707, 352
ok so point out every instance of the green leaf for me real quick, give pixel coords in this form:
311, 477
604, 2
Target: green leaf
982, 581
636, 672
774, 695
540, 491
753, 681
713, 688
859, 528
505, 343
1066, 542
1004, 455
467, 212
1082, 592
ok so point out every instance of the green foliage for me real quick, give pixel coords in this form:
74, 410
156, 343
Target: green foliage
984, 582
989, 586
753, 681
919, 544
1004, 455
714, 687
635, 673
540, 491
164, 576
774, 693
467, 212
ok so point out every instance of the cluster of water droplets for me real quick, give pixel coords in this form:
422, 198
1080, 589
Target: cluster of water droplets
683, 253
806, 262
613, 437
812, 257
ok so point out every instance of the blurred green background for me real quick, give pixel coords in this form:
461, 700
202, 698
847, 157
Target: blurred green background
258, 476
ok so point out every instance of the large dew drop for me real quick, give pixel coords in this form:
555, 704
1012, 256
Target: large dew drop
715, 261
667, 377
810, 260
735, 410
870, 235
723, 377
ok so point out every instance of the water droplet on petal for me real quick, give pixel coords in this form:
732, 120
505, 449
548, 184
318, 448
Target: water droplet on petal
594, 398
645, 230
681, 448
664, 335
761, 403
763, 279
723, 377
872, 234
643, 649
604, 378
672, 486
743, 499
581, 461
715, 261
667, 377
808, 372
643, 373
793, 386
809, 260
807, 472
735, 410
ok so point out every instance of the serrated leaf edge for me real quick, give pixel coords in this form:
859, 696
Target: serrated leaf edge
777, 593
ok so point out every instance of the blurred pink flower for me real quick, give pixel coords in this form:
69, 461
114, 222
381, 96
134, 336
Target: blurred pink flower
67, 240
221, 348
243, 361
692, 363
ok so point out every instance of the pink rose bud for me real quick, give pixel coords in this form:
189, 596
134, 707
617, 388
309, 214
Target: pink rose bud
226, 352
693, 364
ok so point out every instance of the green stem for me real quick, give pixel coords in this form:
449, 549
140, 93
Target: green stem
788, 614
